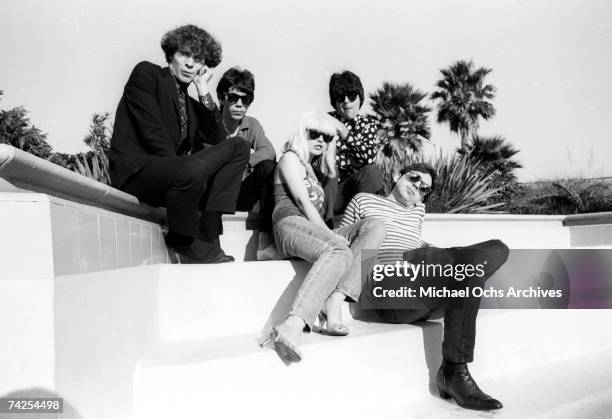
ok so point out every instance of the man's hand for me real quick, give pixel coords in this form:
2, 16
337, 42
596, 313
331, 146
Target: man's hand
201, 80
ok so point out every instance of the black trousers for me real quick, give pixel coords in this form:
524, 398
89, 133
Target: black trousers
257, 186
459, 323
367, 179
208, 180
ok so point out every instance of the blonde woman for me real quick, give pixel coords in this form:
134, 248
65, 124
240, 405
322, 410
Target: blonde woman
299, 231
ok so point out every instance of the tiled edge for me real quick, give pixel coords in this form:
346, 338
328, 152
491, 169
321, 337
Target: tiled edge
136, 253
108, 242
90, 239
606, 234
146, 241
65, 239
89, 242
588, 235
26, 246
124, 245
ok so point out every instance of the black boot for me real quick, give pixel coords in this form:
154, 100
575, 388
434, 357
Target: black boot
454, 380
209, 230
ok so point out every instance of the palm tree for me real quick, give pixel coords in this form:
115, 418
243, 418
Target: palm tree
495, 154
462, 97
402, 113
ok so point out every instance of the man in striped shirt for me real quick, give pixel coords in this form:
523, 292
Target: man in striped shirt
403, 211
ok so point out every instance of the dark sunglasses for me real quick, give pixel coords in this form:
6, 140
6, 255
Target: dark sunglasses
417, 181
351, 97
234, 98
313, 135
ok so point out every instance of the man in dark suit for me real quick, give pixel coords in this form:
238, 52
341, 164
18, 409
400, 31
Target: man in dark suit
157, 126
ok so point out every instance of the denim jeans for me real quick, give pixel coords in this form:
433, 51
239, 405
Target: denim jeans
335, 266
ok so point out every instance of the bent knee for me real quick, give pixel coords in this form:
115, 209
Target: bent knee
191, 174
266, 167
240, 146
342, 253
499, 248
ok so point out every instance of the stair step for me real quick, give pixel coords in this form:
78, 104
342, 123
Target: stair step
197, 302
376, 365
578, 387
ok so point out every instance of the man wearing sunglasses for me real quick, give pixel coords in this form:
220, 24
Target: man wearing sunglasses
403, 211
357, 144
157, 149
236, 91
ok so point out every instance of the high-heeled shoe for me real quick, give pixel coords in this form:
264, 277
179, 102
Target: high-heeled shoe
330, 329
455, 381
286, 350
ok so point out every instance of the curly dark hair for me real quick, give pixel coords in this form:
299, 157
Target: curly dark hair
239, 79
343, 84
194, 40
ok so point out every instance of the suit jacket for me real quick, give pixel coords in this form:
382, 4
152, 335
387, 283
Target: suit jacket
147, 123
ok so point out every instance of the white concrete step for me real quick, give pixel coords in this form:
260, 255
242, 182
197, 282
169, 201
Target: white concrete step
376, 365
573, 388
198, 302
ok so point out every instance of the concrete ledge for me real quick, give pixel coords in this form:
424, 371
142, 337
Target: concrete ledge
25, 171
588, 219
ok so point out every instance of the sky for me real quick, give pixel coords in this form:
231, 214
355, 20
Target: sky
63, 60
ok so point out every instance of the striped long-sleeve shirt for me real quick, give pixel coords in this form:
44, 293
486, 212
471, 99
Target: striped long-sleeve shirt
403, 224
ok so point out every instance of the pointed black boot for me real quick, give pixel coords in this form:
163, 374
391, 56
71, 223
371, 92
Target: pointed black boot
454, 381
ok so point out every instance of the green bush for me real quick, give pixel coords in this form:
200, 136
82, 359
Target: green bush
461, 186
564, 196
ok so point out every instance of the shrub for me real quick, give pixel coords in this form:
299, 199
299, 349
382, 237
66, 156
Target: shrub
564, 196
461, 187
16, 130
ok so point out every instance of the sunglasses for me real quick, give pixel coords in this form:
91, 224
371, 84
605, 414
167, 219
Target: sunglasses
314, 135
417, 181
351, 97
234, 98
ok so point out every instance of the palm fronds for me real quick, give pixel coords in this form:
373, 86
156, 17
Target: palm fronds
463, 98
402, 114
461, 187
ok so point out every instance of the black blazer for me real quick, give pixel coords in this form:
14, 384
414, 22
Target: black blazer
147, 122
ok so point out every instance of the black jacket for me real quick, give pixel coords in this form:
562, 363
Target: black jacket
147, 122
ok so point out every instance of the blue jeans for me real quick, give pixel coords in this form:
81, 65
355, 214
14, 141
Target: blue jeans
335, 266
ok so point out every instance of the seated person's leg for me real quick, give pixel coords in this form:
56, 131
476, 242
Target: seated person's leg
330, 258
225, 164
257, 186
368, 179
454, 379
178, 184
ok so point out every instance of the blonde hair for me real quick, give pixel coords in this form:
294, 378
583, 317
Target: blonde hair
298, 141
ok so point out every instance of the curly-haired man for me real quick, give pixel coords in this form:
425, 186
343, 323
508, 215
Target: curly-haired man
157, 149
